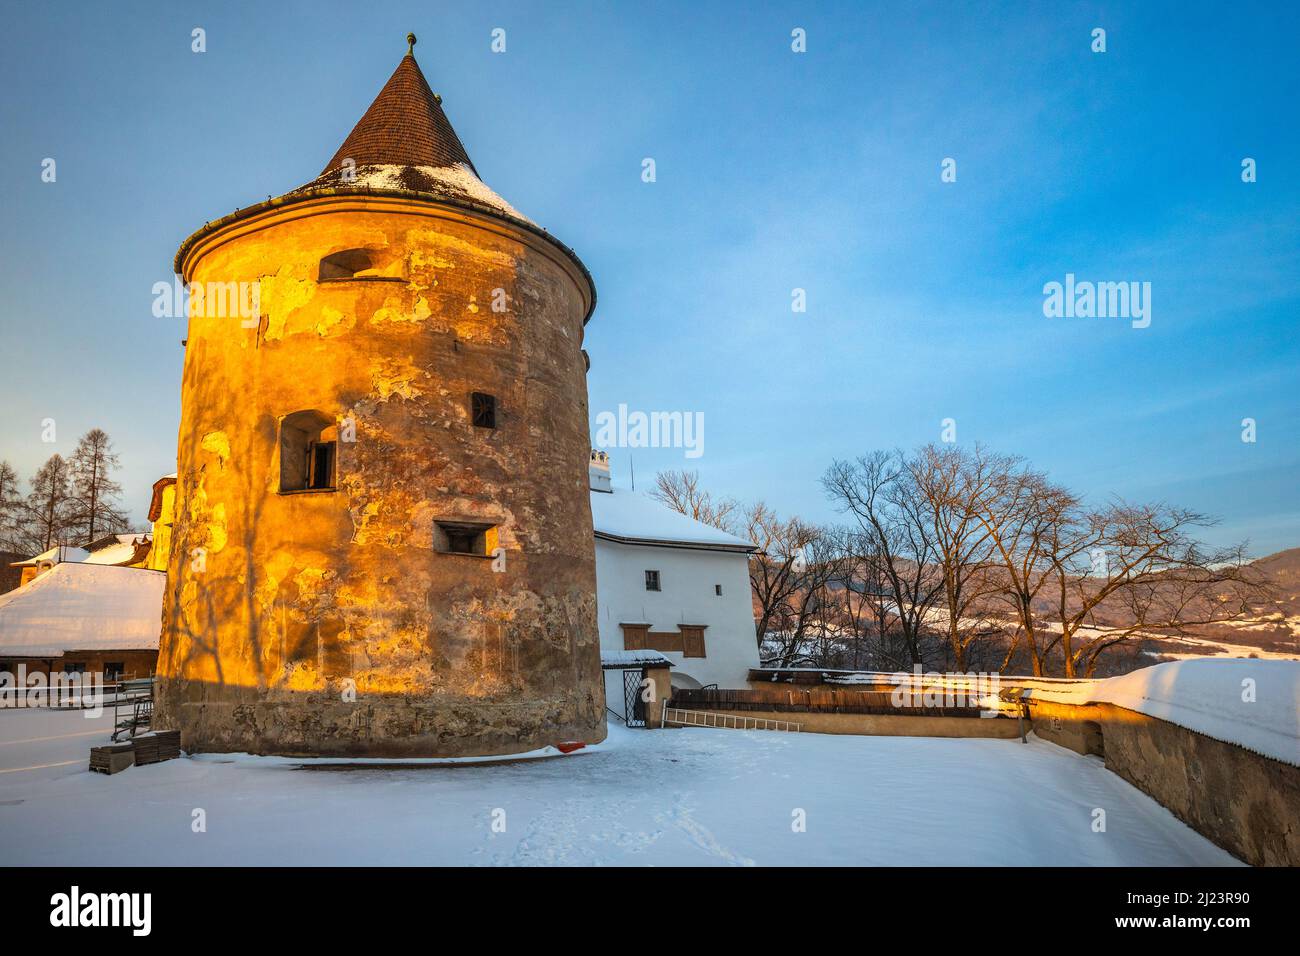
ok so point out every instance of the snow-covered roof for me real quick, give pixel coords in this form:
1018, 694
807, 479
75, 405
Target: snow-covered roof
613, 659
115, 553
1252, 703
632, 518
457, 182
77, 606
55, 555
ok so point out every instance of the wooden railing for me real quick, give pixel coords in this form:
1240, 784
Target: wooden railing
824, 700
705, 718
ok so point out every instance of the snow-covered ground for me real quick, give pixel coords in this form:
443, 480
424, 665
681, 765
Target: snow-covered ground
685, 797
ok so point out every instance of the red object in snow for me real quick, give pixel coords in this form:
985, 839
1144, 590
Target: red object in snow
569, 746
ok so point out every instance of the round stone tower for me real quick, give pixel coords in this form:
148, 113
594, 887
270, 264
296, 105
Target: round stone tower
383, 540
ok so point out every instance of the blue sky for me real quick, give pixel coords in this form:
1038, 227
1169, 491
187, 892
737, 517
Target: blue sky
775, 170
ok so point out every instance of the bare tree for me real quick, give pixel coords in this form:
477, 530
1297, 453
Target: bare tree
810, 626
849, 600
681, 491
1081, 581
1030, 522
1145, 562
952, 482
880, 492
788, 577
95, 495
48, 506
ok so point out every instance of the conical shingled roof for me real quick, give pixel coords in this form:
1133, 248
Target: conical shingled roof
404, 143
405, 126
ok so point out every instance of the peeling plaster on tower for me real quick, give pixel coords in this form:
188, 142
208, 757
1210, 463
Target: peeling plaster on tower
378, 282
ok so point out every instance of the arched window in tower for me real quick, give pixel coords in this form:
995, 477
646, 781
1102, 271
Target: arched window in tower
308, 452
344, 265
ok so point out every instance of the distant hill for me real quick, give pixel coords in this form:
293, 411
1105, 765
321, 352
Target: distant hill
1273, 630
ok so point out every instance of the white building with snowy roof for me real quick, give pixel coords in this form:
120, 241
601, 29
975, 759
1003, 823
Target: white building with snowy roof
670, 584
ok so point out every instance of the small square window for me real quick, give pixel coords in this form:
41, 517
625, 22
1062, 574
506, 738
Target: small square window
114, 670
483, 410
717, 589
652, 581
460, 537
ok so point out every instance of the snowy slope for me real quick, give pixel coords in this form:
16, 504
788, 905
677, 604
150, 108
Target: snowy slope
1252, 703
76, 606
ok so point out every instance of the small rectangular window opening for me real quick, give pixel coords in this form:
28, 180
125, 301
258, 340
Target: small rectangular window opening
320, 464
308, 452
652, 581
717, 589
483, 410
463, 537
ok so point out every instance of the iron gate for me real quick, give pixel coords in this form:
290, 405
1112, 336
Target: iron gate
633, 705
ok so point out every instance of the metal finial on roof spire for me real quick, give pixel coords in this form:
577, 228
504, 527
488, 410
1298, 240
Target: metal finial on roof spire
410, 44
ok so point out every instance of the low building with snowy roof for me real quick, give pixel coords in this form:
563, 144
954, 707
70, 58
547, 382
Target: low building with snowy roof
38, 564
669, 585
123, 550
80, 617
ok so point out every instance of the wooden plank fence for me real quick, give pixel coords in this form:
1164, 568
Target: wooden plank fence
821, 700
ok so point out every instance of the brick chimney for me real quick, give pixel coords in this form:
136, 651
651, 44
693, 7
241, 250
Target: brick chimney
598, 471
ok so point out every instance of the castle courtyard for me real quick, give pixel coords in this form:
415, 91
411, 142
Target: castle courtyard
697, 797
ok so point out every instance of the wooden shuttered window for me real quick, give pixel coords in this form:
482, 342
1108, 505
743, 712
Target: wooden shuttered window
634, 636
692, 641
689, 641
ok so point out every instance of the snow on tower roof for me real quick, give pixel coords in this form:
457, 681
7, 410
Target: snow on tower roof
75, 606
631, 518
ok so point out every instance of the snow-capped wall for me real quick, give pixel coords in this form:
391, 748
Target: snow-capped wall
1252, 703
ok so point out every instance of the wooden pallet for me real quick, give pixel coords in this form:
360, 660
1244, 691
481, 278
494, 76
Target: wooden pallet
113, 758
157, 746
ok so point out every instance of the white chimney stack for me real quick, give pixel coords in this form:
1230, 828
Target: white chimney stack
598, 471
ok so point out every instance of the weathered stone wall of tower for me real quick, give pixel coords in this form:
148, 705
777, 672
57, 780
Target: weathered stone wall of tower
326, 622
